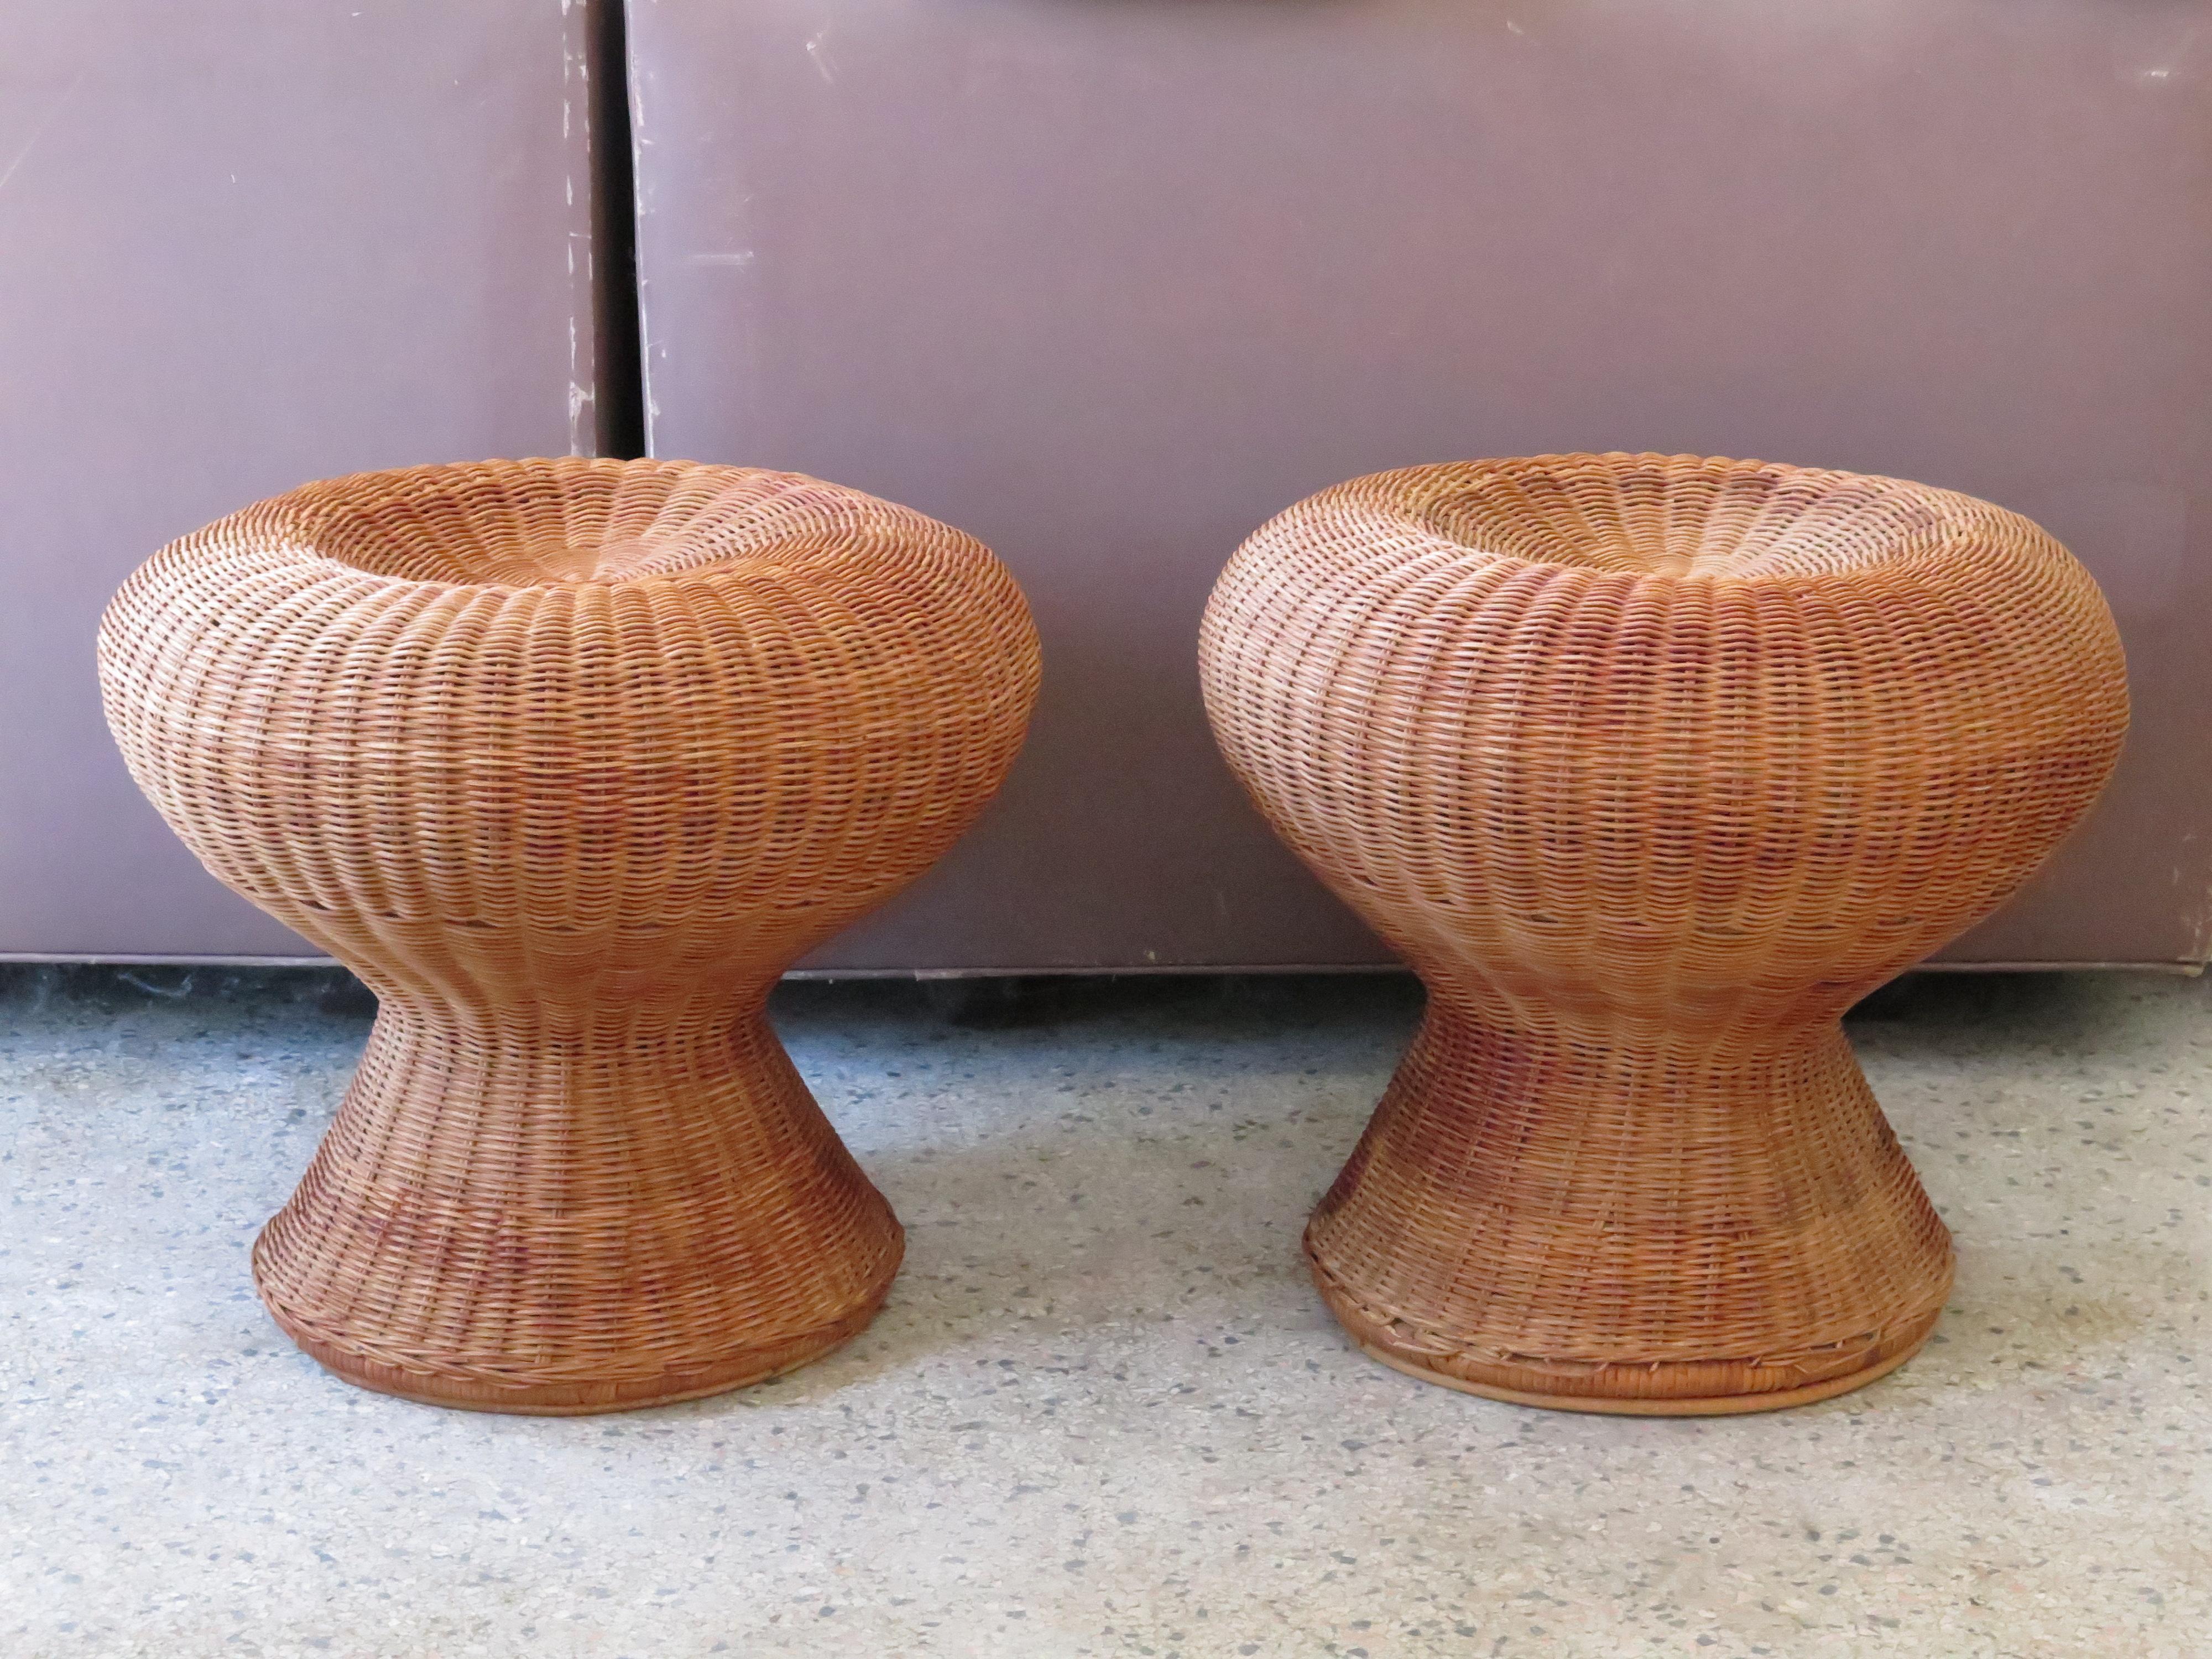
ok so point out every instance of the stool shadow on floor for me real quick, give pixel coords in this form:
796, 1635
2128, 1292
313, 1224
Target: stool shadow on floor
1076, 1157
2027, 1103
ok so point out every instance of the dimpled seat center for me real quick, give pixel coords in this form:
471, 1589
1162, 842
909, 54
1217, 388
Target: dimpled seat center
656, 523
1757, 525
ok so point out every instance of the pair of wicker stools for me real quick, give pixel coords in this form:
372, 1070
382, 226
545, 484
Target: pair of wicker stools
1649, 766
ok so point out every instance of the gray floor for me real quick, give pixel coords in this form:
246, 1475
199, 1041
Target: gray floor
1104, 1413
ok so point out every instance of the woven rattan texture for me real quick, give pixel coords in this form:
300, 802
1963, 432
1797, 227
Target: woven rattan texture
1651, 767
569, 760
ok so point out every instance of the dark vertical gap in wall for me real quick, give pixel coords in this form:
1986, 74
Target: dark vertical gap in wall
620, 402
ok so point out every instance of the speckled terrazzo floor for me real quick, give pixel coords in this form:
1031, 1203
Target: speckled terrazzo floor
1104, 1414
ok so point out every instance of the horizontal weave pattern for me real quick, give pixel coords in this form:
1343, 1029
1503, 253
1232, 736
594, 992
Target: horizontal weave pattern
569, 760
1651, 767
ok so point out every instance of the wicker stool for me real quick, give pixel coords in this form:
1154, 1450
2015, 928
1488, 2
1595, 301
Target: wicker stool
569, 760
1652, 767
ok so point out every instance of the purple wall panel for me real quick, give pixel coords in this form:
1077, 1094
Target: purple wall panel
1108, 282
243, 245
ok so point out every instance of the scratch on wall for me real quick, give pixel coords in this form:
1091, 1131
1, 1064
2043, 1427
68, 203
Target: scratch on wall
46, 121
2198, 921
583, 353
642, 86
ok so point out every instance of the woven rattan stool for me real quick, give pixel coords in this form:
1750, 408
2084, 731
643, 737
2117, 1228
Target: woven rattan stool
1652, 767
569, 760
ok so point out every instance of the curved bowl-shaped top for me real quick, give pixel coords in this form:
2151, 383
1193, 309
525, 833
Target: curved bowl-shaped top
606, 723
1637, 736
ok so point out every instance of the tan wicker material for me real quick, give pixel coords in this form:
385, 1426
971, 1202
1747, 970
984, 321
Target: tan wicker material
1651, 767
568, 759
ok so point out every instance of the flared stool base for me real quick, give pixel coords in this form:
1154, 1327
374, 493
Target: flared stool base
554, 1219
1630, 1222
740, 1368
1615, 1390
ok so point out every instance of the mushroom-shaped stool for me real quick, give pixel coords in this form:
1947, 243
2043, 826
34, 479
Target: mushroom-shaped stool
569, 760
1650, 766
